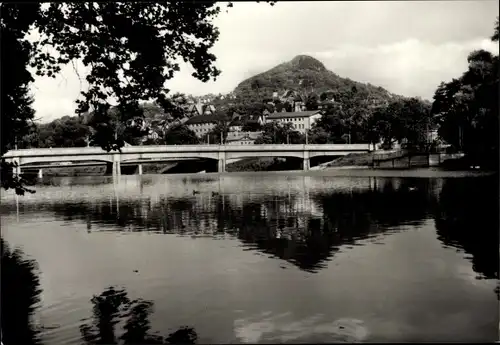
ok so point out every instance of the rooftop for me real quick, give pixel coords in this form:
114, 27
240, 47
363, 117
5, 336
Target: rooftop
282, 115
209, 118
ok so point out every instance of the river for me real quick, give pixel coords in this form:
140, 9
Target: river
268, 258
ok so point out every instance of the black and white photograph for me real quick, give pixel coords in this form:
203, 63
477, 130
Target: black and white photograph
249, 172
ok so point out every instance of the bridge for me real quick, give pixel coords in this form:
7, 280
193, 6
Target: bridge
154, 153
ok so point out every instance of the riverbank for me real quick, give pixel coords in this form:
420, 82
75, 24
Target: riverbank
455, 162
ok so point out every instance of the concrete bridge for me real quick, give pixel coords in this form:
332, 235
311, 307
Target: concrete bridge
153, 153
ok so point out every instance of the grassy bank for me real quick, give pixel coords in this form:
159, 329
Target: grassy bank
353, 159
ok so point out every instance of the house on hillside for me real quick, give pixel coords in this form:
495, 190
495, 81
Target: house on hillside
325, 104
242, 138
298, 105
203, 124
301, 120
237, 122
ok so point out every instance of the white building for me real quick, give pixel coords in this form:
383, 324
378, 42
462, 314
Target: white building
301, 120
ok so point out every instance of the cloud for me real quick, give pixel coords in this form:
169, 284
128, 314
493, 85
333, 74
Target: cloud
405, 47
410, 67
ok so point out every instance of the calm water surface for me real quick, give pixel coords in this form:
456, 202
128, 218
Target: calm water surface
268, 258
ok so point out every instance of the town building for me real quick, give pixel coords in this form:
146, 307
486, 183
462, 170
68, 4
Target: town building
203, 124
242, 138
301, 120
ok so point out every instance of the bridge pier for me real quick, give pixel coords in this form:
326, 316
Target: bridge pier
222, 165
139, 168
40, 173
306, 164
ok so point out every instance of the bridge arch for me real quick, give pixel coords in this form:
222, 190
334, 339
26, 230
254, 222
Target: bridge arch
264, 154
150, 156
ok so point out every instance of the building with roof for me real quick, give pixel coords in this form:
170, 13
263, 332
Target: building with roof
242, 138
203, 124
301, 120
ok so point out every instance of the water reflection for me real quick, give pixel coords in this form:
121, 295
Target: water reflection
308, 225
20, 292
113, 305
304, 223
304, 228
20, 295
471, 226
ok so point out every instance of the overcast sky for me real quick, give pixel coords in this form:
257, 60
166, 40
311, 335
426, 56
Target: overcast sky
407, 47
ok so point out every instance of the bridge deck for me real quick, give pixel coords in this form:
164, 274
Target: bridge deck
185, 149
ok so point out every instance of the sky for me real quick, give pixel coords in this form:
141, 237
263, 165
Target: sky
407, 47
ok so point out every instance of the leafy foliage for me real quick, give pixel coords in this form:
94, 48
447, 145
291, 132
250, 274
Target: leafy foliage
16, 114
402, 120
251, 126
466, 108
64, 132
219, 132
278, 133
131, 50
181, 135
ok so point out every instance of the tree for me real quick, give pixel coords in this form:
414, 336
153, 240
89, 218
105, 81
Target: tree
413, 123
466, 108
328, 129
181, 135
251, 126
311, 102
68, 131
404, 120
218, 134
318, 135
130, 50
495, 36
17, 114
277, 133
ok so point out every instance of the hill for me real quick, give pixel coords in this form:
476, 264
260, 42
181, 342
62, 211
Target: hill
305, 75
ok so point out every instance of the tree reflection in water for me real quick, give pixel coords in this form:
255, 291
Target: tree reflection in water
20, 295
286, 226
114, 305
303, 228
467, 219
